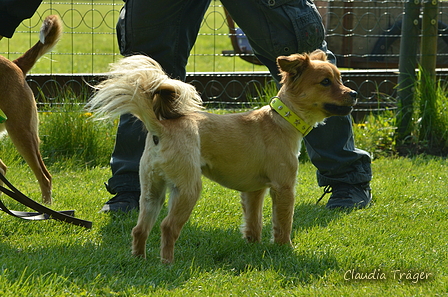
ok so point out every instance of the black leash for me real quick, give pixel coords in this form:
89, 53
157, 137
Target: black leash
327, 190
43, 212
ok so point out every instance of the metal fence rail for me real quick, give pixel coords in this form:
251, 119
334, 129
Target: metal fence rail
363, 35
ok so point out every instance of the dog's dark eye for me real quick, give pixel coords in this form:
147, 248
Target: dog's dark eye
326, 82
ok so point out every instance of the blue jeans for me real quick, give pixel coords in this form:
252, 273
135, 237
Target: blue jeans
166, 30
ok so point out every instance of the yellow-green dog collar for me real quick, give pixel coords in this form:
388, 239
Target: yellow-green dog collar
290, 116
3, 117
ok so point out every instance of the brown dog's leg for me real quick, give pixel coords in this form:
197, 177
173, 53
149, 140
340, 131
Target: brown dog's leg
3, 169
182, 201
252, 203
151, 201
282, 214
23, 133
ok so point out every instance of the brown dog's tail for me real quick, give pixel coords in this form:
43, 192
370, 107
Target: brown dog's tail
138, 85
50, 33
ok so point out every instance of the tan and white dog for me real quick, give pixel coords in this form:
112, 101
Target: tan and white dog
249, 152
18, 103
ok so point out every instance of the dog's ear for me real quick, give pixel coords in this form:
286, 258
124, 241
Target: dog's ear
164, 102
291, 66
318, 55
165, 88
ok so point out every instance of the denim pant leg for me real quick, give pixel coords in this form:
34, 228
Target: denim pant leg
275, 30
278, 27
331, 148
125, 159
166, 31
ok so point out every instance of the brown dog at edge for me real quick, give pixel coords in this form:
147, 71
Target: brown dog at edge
18, 103
250, 152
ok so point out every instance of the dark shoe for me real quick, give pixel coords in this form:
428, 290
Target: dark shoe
124, 201
349, 196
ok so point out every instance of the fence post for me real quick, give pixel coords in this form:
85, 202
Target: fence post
429, 38
428, 84
407, 64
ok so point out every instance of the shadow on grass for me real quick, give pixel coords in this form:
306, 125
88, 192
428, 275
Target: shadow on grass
202, 250
308, 215
101, 259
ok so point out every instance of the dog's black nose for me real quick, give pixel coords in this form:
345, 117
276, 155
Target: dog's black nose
353, 94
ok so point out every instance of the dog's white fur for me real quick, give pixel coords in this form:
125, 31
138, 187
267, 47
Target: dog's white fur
249, 152
17, 102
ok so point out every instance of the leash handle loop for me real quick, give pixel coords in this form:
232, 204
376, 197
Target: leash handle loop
43, 212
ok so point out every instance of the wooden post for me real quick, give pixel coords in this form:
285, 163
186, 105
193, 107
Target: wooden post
428, 92
407, 64
429, 37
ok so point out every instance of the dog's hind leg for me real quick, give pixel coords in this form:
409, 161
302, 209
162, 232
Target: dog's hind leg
153, 189
252, 203
23, 133
282, 213
182, 201
3, 169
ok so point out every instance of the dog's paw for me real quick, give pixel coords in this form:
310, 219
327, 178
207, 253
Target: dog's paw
252, 238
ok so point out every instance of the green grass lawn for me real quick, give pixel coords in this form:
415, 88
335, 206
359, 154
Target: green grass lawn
403, 235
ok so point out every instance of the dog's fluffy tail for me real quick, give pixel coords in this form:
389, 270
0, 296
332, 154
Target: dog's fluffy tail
138, 85
50, 33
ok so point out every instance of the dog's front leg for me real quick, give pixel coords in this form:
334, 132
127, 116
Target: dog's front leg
149, 210
182, 201
153, 189
282, 213
252, 203
139, 235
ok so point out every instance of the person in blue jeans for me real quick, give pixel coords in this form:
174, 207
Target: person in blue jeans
13, 12
166, 30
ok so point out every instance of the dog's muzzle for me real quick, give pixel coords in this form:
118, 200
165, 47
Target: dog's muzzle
343, 109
